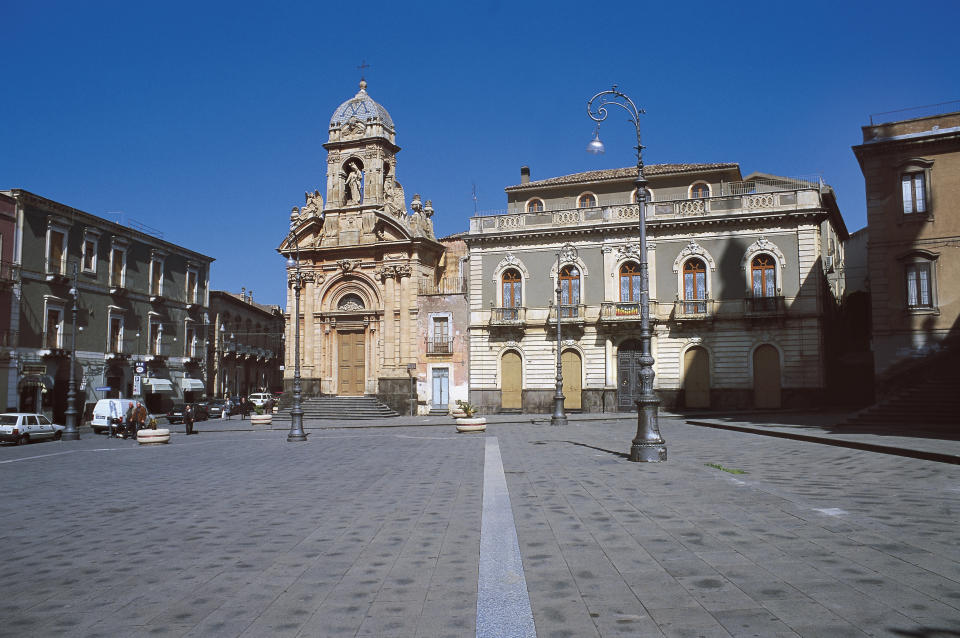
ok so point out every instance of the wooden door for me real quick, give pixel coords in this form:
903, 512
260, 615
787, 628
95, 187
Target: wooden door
352, 369
696, 378
572, 368
766, 377
511, 391
441, 387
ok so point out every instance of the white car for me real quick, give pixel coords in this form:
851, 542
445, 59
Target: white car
23, 427
259, 399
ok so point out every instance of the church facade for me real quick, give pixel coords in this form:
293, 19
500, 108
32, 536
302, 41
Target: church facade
372, 275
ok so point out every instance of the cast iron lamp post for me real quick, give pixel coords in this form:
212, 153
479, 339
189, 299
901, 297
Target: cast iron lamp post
71, 433
648, 446
569, 253
296, 412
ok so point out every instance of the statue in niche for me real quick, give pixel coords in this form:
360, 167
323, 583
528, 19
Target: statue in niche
352, 184
427, 222
394, 200
314, 204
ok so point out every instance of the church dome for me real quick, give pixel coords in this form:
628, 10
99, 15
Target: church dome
362, 107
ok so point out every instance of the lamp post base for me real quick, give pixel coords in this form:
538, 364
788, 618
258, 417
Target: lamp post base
648, 453
648, 446
296, 434
559, 416
70, 436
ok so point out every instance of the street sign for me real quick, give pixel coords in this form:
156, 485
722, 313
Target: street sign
103, 388
136, 385
139, 368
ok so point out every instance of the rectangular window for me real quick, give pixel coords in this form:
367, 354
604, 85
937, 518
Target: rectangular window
156, 337
55, 252
192, 286
914, 194
89, 255
118, 263
53, 332
156, 277
191, 342
918, 286
116, 334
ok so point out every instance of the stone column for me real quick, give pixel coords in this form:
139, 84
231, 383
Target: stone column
310, 369
405, 280
389, 334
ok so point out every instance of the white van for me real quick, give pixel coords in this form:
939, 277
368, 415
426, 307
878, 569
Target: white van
107, 409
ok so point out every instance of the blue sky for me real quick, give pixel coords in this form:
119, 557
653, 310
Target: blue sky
205, 120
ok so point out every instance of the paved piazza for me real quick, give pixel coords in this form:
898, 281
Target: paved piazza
377, 532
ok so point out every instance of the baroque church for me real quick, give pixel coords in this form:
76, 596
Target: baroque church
370, 272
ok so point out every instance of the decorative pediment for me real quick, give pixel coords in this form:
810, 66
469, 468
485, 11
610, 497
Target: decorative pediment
630, 251
693, 249
763, 245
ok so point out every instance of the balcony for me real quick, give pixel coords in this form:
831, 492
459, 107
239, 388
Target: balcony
575, 315
694, 310
764, 307
440, 345
55, 271
620, 311
508, 317
9, 273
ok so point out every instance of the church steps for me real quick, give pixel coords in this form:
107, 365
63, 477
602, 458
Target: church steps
343, 408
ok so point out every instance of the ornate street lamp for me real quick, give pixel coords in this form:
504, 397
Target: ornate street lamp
296, 413
567, 253
648, 446
71, 433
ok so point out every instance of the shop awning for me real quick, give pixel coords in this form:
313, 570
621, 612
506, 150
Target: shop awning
189, 385
154, 384
44, 380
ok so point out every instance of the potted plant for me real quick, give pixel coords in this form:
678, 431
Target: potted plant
260, 416
470, 422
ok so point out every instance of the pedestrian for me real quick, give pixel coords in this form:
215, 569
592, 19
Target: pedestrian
243, 408
269, 405
140, 417
188, 419
129, 422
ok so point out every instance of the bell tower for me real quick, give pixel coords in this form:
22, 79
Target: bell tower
361, 154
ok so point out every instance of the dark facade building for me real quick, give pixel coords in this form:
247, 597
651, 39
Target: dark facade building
245, 345
139, 302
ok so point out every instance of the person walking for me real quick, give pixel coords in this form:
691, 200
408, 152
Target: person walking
243, 408
188, 419
140, 417
129, 423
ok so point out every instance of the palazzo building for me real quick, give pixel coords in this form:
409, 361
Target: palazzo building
370, 273
745, 274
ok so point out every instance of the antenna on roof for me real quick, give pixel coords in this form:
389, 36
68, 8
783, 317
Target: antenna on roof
474, 199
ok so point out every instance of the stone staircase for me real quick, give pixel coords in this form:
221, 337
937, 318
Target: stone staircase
343, 408
928, 395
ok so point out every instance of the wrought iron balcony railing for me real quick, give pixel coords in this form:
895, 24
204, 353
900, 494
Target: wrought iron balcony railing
620, 311
569, 314
516, 316
693, 309
441, 345
758, 307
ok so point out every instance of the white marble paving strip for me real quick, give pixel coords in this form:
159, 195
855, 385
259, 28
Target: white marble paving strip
503, 605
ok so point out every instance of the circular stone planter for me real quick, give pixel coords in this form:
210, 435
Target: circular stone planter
153, 437
261, 419
457, 413
472, 424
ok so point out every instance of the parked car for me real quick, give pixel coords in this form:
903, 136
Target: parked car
216, 406
23, 427
175, 415
107, 409
259, 399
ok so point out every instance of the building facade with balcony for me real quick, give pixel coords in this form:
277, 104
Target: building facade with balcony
245, 344
141, 304
911, 167
9, 289
744, 277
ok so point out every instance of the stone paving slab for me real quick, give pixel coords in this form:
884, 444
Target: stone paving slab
376, 531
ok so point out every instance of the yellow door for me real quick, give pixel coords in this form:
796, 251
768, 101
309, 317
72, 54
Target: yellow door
511, 371
696, 378
572, 374
766, 377
351, 368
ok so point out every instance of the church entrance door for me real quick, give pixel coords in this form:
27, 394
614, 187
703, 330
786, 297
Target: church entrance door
351, 368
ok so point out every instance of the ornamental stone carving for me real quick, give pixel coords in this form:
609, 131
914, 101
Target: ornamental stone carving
346, 265
693, 249
631, 251
313, 205
763, 245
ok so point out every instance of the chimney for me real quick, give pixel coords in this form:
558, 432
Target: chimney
524, 174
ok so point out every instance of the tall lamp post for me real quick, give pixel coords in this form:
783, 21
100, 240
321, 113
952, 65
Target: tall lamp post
296, 412
569, 253
648, 446
71, 433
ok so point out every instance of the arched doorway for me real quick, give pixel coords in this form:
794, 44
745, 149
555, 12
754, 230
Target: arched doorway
572, 367
696, 378
766, 377
511, 388
352, 369
628, 375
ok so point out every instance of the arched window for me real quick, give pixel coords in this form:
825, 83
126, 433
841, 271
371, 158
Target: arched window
694, 287
512, 294
350, 302
699, 190
763, 274
630, 282
535, 205
569, 291
587, 200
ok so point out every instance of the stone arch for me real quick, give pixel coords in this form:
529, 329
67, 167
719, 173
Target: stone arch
355, 283
763, 245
